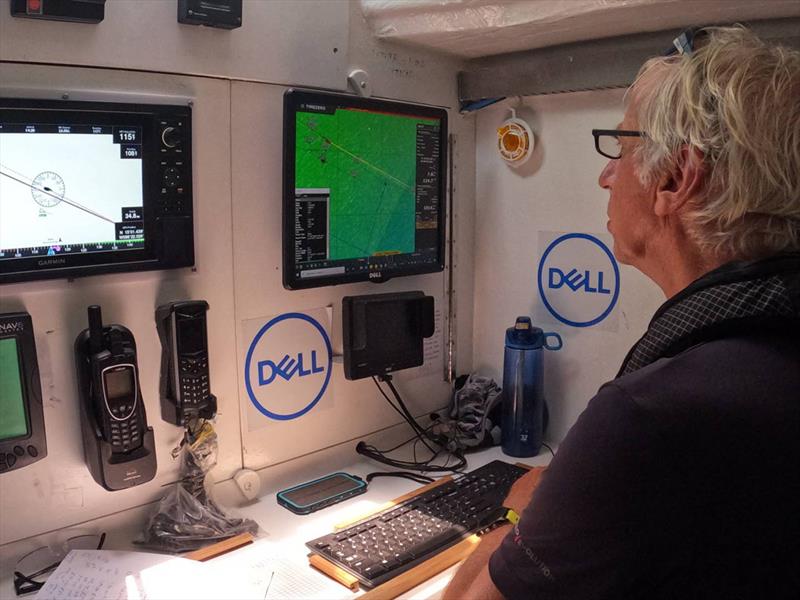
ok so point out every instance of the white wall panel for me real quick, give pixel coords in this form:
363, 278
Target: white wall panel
399, 71
349, 409
145, 55
284, 41
58, 490
556, 191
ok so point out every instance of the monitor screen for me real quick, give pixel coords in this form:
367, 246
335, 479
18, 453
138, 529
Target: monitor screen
93, 187
13, 421
382, 333
70, 188
364, 188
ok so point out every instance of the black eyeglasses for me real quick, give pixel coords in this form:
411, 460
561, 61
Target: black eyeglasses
39, 563
687, 41
606, 141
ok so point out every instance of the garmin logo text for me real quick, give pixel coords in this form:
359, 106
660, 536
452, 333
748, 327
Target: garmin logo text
576, 281
51, 261
14, 327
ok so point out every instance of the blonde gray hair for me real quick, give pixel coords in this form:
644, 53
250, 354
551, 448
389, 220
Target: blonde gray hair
736, 100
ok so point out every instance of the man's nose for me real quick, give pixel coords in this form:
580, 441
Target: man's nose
607, 174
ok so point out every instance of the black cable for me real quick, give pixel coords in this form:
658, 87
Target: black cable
404, 474
402, 404
549, 448
407, 416
422, 435
370, 452
401, 444
397, 410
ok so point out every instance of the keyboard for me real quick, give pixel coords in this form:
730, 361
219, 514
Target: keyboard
399, 538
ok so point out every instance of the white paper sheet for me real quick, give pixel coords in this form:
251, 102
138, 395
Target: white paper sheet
114, 575
257, 572
265, 573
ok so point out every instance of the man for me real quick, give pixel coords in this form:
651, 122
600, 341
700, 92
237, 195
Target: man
682, 477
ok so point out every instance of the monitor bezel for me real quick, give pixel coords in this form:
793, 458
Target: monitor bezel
146, 116
293, 98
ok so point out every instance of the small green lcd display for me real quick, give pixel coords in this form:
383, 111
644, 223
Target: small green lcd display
13, 422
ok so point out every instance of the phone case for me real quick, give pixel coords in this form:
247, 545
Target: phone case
321, 498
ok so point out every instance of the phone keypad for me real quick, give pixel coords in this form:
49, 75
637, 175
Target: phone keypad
125, 435
194, 382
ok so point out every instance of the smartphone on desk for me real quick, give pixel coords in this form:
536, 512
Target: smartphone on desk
313, 495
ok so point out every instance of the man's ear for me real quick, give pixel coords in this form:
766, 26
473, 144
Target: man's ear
684, 182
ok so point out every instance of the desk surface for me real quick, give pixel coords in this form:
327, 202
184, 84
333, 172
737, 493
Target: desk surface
278, 526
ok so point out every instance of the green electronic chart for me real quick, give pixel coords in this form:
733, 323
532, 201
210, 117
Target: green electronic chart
12, 409
367, 162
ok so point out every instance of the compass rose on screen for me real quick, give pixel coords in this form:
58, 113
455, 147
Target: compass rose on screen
48, 189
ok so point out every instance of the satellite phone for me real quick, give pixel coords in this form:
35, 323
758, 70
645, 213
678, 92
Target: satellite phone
185, 387
117, 442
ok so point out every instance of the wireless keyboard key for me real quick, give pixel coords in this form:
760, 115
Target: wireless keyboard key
435, 542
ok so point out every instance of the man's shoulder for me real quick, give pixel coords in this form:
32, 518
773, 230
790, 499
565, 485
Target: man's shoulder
759, 364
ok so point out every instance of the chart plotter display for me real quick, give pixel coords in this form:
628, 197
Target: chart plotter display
93, 187
363, 189
70, 189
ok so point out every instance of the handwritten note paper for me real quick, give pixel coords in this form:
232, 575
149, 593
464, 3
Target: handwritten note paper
280, 578
111, 575
256, 572
267, 572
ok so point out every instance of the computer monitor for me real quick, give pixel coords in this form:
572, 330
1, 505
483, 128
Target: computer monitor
382, 333
93, 187
22, 434
363, 188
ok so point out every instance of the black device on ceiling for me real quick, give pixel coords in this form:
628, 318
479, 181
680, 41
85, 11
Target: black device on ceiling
74, 11
223, 14
363, 189
384, 332
89, 188
22, 433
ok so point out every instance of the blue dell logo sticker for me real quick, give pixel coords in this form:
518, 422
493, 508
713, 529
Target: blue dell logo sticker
578, 279
288, 366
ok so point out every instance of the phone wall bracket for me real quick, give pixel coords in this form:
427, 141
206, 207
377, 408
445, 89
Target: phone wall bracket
113, 471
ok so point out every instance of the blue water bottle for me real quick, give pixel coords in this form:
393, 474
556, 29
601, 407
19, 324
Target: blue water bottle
524, 408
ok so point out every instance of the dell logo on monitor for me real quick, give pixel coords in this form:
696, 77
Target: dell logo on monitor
375, 275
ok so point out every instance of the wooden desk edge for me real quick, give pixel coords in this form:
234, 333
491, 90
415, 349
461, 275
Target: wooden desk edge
221, 547
333, 571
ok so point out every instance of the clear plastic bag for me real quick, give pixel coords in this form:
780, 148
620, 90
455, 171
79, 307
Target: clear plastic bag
186, 517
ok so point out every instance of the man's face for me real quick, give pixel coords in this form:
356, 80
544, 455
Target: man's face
631, 220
